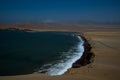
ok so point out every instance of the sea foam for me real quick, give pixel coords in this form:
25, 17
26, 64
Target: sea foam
63, 65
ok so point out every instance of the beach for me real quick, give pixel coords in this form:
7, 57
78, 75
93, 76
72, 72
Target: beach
105, 66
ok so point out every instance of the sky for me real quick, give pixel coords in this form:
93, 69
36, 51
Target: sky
12, 11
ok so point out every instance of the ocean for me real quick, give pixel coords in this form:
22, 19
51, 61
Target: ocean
23, 52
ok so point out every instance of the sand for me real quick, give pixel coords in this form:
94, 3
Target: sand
106, 65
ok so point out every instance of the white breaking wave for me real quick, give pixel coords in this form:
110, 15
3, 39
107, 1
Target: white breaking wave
63, 65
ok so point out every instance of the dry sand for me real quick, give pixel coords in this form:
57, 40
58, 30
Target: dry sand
106, 65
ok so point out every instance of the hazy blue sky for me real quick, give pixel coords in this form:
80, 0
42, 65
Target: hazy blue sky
59, 10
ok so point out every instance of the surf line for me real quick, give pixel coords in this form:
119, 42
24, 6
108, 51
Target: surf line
87, 57
83, 57
61, 68
80, 58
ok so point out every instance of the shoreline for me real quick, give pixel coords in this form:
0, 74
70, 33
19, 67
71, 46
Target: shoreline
82, 61
87, 56
105, 45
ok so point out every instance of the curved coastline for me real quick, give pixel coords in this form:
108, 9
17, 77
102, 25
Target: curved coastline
87, 54
62, 67
82, 60
105, 61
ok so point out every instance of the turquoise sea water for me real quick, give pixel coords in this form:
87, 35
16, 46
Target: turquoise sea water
45, 52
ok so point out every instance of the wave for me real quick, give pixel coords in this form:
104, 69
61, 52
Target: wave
63, 65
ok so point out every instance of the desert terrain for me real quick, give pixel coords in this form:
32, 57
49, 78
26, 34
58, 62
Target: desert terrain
105, 42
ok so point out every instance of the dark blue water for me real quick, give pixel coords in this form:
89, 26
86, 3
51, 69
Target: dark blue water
28, 52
